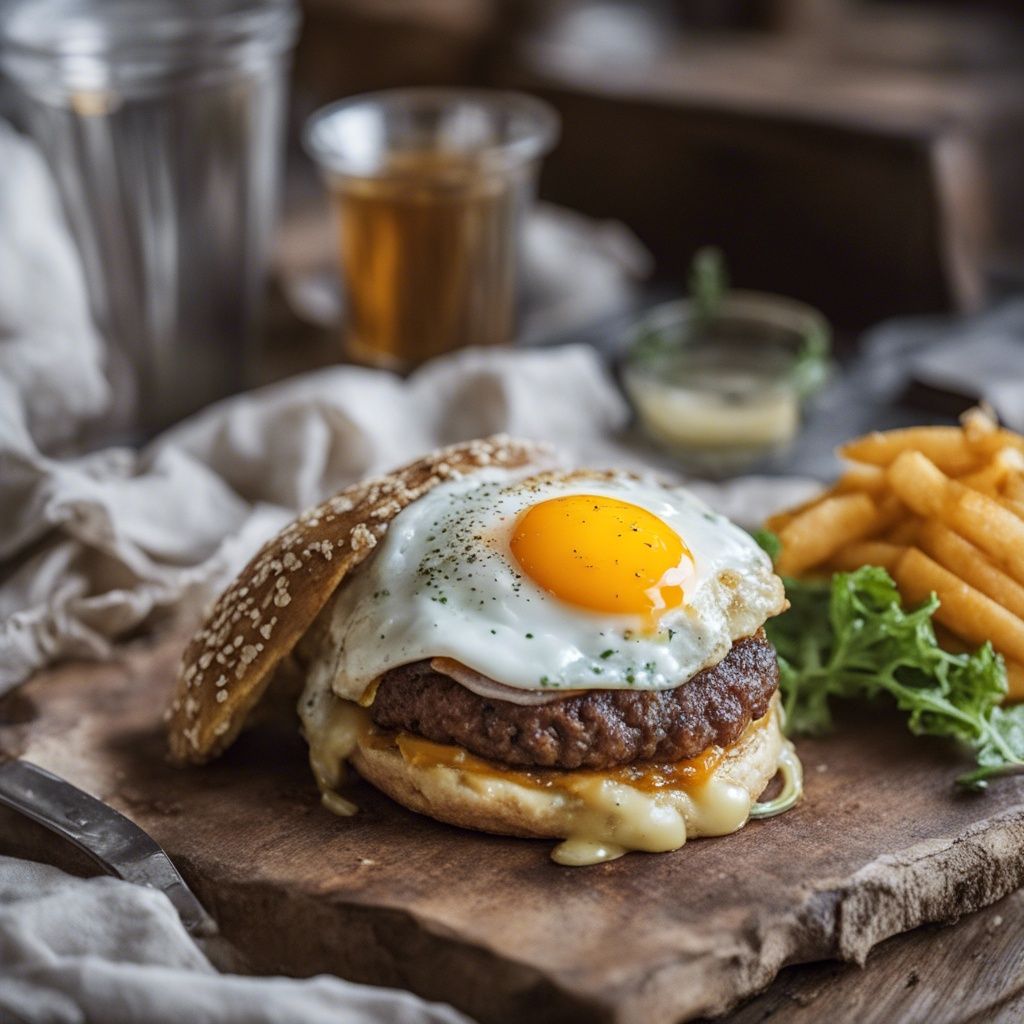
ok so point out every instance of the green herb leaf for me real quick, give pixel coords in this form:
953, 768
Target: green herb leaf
768, 542
709, 283
852, 638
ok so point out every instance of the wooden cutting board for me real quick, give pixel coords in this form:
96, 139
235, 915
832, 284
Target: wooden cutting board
880, 844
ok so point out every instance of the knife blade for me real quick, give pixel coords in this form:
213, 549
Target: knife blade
114, 842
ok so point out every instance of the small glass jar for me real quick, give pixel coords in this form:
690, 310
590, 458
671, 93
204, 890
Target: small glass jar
722, 392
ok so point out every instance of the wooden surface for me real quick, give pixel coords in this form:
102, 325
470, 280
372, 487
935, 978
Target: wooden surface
970, 973
880, 845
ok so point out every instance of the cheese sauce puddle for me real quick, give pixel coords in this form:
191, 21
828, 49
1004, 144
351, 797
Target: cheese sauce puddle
601, 814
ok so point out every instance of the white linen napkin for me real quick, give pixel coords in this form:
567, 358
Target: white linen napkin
74, 950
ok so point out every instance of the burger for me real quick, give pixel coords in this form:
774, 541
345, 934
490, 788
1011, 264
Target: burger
514, 648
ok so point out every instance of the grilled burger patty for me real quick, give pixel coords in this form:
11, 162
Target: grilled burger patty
598, 729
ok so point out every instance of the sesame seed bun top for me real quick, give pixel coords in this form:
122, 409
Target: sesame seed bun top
261, 616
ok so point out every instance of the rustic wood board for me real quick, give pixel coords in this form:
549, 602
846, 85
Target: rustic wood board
880, 845
971, 973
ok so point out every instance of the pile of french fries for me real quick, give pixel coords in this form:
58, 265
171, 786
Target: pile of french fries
942, 509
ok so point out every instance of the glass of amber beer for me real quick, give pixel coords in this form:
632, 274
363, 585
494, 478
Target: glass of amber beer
429, 188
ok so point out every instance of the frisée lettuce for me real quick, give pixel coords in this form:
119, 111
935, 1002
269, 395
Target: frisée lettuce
850, 637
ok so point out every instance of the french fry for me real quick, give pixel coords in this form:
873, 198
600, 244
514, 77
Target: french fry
1014, 680
904, 533
919, 483
868, 552
988, 480
979, 518
962, 609
972, 565
862, 476
990, 526
984, 435
1016, 507
946, 447
1013, 488
776, 522
1012, 458
889, 511
991, 477
979, 424
986, 446
942, 509
818, 532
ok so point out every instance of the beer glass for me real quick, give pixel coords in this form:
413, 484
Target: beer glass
429, 188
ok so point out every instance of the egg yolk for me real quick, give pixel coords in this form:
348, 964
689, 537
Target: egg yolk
602, 554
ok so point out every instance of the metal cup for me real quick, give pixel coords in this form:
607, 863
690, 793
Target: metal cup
162, 122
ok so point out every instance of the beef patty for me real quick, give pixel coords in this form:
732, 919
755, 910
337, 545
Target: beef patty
598, 729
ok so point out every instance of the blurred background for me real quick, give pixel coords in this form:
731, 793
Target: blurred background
865, 157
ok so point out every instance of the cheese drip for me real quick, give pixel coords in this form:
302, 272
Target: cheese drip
333, 729
601, 815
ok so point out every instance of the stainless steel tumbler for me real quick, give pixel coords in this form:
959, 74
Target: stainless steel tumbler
162, 121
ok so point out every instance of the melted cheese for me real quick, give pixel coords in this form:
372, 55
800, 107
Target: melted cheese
609, 812
601, 814
648, 777
332, 728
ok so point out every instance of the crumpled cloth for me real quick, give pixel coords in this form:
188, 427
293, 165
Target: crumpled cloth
76, 950
120, 539
980, 357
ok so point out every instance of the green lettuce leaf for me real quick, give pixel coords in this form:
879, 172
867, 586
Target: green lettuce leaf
850, 637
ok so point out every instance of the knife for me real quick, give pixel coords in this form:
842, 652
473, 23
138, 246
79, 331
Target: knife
114, 842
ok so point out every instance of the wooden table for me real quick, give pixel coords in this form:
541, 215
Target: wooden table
966, 973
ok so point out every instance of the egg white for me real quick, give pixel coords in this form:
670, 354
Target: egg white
443, 583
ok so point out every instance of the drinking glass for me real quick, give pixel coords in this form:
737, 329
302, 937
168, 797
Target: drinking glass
429, 189
162, 122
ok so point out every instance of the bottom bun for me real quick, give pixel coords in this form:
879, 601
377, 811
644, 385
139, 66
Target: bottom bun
599, 815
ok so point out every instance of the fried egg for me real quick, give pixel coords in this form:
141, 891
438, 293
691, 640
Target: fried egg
552, 582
